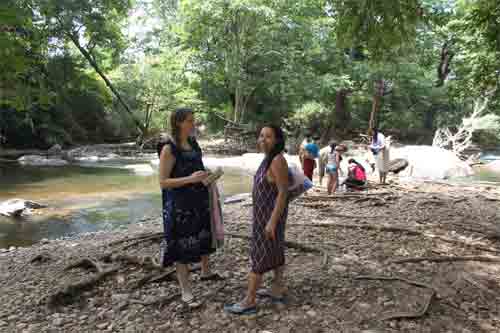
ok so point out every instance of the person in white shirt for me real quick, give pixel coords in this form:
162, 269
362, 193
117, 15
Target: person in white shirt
380, 153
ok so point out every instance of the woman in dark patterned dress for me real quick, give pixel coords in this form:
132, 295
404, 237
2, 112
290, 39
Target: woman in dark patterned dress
270, 210
186, 214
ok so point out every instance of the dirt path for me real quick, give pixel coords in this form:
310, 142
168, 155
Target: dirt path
343, 288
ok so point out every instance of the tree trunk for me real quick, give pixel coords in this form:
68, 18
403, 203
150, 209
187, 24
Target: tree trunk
94, 65
239, 105
342, 116
429, 119
443, 68
377, 99
339, 122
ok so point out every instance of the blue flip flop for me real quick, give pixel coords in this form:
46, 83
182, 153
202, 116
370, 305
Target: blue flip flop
238, 309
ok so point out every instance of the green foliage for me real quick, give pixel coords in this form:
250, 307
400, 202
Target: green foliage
308, 63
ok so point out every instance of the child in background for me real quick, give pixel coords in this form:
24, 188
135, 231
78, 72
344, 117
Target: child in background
309, 158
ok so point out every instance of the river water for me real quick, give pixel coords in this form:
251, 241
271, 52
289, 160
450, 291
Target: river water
86, 199
107, 196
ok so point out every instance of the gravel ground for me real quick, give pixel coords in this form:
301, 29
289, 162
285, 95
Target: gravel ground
333, 285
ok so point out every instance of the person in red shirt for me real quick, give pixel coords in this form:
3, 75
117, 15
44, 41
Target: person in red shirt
356, 178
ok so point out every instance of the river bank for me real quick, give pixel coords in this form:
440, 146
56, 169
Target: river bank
338, 278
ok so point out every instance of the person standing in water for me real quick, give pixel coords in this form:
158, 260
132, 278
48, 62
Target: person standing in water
270, 210
186, 214
380, 153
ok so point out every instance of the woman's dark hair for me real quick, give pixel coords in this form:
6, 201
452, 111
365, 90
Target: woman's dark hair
352, 160
279, 146
333, 145
178, 116
375, 134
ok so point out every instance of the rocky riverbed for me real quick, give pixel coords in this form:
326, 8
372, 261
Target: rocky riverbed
342, 275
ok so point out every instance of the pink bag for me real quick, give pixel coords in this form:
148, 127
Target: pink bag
216, 219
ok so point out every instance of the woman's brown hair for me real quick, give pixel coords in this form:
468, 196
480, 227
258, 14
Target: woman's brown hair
178, 116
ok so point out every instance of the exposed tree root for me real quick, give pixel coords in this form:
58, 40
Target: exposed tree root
350, 195
153, 237
41, 258
404, 315
358, 226
72, 291
86, 263
331, 213
446, 259
396, 229
146, 261
137, 238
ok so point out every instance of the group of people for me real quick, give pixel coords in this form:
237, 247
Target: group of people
329, 162
188, 233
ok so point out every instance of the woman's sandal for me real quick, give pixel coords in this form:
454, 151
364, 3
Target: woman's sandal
238, 309
266, 293
211, 277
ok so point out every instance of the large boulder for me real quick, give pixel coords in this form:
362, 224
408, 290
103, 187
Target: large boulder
18, 207
37, 160
433, 163
493, 166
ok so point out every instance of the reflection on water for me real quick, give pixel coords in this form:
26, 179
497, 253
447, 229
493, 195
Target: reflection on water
85, 199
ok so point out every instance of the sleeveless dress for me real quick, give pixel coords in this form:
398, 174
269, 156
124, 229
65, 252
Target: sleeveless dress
265, 255
186, 211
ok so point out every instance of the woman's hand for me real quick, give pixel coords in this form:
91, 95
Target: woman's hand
270, 231
198, 176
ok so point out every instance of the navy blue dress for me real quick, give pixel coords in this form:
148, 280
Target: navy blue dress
186, 211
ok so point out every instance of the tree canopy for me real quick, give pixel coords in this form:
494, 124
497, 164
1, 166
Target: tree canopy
104, 70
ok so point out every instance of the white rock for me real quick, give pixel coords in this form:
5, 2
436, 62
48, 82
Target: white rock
37, 160
432, 163
493, 166
140, 169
